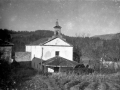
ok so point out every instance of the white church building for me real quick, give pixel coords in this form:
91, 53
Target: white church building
47, 49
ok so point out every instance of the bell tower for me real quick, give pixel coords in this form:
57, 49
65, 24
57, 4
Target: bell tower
57, 28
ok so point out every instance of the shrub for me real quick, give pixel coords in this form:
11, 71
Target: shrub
35, 83
21, 74
5, 70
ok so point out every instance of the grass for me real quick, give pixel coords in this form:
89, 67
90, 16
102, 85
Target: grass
28, 79
21, 74
88, 82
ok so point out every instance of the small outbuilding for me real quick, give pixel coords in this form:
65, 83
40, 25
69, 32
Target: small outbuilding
59, 64
6, 50
23, 58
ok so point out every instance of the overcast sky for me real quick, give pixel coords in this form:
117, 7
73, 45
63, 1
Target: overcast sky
76, 17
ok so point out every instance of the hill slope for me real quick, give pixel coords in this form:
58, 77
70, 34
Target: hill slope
93, 47
108, 36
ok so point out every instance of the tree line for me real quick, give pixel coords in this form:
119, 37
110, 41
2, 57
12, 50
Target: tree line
83, 46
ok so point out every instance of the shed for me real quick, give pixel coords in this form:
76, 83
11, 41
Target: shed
24, 58
60, 64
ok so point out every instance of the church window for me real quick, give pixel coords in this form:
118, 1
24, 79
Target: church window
57, 53
56, 32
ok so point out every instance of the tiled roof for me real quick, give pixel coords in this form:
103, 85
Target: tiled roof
58, 61
40, 41
45, 40
54, 37
20, 55
5, 43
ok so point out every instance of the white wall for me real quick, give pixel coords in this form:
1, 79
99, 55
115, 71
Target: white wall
65, 52
35, 51
49, 51
28, 48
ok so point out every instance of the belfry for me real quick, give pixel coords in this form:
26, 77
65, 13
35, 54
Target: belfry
57, 28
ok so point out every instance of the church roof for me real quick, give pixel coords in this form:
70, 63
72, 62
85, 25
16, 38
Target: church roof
39, 41
57, 27
54, 37
58, 61
46, 40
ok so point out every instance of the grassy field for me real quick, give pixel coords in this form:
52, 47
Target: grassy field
29, 79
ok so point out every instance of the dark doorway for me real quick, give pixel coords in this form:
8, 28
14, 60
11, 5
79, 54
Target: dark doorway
56, 69
57, 53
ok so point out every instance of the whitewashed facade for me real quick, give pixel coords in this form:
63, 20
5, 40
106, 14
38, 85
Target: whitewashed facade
48, 51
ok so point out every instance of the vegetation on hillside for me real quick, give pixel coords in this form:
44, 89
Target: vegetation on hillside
90, 47
108, 36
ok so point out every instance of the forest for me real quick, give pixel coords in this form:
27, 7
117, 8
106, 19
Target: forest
92, 47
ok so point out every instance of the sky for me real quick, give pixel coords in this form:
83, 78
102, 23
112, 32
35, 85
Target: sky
76, 17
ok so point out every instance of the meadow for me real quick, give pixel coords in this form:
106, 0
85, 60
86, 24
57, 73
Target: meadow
29, 79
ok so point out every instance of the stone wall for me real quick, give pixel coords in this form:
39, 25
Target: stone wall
6, 53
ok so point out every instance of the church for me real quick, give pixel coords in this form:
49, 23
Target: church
52, 54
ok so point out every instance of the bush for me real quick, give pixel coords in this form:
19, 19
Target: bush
70, 82
21, 74
5, 69
35, 83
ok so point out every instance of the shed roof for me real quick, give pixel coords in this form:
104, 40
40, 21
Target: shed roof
20, 55
58, 61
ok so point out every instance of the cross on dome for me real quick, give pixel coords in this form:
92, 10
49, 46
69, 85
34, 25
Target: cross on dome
57, 24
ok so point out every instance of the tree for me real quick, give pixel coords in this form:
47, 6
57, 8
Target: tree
77, 54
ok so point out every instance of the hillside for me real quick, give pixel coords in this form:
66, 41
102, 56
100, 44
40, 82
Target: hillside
20, 39
108, 36
93, 47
